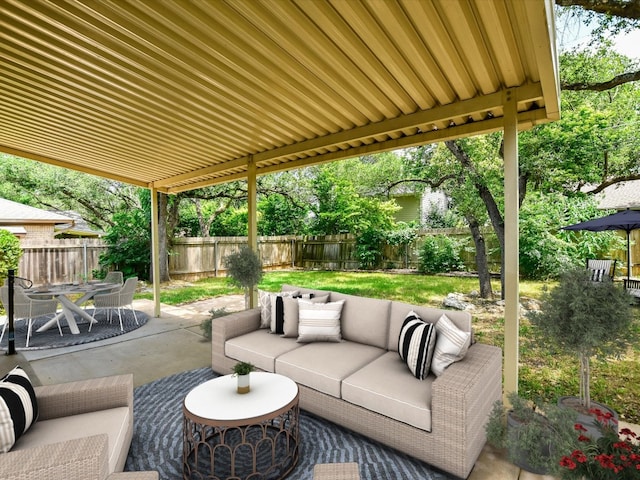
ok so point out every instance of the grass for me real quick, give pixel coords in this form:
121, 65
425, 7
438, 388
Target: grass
544, 373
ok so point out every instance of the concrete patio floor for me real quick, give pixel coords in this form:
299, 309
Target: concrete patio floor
173, 343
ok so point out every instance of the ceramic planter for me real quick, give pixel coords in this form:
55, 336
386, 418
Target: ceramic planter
243, 383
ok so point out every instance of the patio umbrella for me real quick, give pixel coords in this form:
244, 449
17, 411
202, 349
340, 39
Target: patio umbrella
626, 220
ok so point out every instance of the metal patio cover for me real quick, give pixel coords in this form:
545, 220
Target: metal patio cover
175, 95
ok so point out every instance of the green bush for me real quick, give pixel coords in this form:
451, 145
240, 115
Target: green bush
10, 253
205, 325
545, 249
440, 253
369, 248
129, 246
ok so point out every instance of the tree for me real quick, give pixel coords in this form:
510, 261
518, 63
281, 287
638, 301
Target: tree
610, 17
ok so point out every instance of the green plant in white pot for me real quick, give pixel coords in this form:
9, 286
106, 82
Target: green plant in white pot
586, 319
245, 270
242, 370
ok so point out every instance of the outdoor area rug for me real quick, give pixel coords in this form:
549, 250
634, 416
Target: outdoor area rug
157, 438
51, 338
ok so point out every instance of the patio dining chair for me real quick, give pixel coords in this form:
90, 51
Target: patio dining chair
27, 308
118, 300
601, 268
632, 287
114, 277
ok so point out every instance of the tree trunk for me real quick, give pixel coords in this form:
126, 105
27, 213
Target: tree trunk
497, 222
484, 276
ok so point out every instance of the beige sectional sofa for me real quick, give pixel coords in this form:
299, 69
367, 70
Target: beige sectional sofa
83, 432
362, 384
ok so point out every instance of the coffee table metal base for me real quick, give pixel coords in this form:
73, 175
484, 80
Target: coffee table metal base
264, 450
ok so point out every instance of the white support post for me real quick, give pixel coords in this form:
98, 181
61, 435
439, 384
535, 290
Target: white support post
155, 252
511, 244
252, 234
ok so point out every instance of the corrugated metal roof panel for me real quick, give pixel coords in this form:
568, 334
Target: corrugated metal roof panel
179, 94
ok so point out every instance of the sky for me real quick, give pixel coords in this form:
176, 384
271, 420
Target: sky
629, 44
572, 33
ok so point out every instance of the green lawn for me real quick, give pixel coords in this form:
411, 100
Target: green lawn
544, 374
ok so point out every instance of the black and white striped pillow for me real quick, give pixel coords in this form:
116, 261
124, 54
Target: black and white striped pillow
416, 344
18, 407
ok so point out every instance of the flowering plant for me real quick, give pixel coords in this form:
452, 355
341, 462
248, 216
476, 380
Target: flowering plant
613, 455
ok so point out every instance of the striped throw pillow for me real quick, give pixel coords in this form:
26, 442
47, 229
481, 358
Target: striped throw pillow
264, 298
18, 407
319, 322
451, 346
416, 344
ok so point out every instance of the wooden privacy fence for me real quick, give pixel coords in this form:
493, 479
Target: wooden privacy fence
193, 258
60, 261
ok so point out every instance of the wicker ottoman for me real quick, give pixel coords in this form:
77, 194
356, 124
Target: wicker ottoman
336, 471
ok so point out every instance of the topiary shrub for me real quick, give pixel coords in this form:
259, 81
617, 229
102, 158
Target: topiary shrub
245, 270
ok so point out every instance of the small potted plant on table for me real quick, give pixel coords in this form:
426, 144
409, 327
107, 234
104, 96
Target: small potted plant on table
242, 371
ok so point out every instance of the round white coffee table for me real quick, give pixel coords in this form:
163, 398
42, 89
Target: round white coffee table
230, 435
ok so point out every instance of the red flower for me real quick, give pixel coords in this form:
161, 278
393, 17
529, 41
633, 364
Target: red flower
622, 446
567, 463
579, 456
579, 427
628, 433
583, 438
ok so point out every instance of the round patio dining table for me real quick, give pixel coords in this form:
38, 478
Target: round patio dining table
70, 308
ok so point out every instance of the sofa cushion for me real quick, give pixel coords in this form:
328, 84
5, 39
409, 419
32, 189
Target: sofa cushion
292, 311
113, 421
323, 365
386, 386
400, 310
319, 322
416, 344
18, 407
260, 348
364, 320
451, 345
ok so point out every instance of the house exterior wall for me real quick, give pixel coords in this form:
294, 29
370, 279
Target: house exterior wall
409, 209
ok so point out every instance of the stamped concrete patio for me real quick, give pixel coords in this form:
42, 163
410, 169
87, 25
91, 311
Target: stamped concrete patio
171, 344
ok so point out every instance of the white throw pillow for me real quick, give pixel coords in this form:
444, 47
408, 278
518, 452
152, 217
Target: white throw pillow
416, 344
451, 345
291, 311
319, 322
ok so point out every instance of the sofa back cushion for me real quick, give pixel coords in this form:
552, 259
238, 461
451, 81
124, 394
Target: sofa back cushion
399, 312
364, 320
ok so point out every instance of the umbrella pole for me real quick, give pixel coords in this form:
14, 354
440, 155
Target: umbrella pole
628, 257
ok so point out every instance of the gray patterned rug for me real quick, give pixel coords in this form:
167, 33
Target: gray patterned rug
157, 438
51, 338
